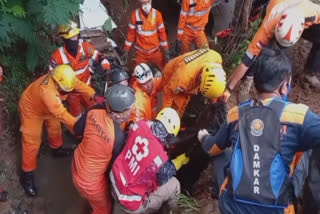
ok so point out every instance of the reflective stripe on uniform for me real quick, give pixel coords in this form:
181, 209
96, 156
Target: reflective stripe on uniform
199, 13
128, 43
89, 80
183, 13
147, 51
66, 61
192, 8
139, 27
95, 53
131, 26
164, 43
180, 31
63, 56
121, 196
160, 26
194, 28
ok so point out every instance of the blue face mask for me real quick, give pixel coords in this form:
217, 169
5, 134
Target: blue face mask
285, 97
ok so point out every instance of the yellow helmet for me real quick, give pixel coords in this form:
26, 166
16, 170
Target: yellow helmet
64, 76
68, 31
170, 119
213, 80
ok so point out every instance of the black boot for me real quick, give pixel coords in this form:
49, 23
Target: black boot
28, 183
62, 152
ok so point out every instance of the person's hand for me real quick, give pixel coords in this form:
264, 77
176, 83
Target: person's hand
181, 160
201, 134
166, 56
1, 73
178, 47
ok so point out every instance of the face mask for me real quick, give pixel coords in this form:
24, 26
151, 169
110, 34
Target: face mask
146, 7
285, 97
72, 46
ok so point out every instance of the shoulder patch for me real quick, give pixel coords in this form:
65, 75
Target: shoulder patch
196, 55
294, 113
233, 115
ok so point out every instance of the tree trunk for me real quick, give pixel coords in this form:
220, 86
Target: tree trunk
240, 25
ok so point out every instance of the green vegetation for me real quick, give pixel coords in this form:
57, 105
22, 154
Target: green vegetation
242, 47
27, 38
187, 203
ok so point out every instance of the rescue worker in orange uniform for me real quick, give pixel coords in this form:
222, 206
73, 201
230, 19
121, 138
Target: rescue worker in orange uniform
146, 28
183, 76
42, 102
285, 22
148, 84
77, 53
102, 141
142, 176
192, 21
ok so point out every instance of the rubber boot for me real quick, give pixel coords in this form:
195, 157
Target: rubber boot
245, 87
27, 183
62, 152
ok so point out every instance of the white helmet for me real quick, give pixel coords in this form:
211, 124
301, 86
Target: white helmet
143, 73
290, 27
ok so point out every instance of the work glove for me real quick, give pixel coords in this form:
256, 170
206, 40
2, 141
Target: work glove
201, 134
125, 57
178, 47
166, 55
181, 160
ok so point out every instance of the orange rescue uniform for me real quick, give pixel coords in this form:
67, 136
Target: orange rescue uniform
192, 21
80, 65
149, 34
41, 102
91, 161
153, 97
181, 77
266, 32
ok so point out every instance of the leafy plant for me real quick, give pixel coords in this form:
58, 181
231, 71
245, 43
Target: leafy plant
187, 203
27, 35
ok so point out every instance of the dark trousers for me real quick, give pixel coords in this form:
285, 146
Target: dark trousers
312, 34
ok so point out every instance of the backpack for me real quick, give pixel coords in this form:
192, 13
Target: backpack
258, 175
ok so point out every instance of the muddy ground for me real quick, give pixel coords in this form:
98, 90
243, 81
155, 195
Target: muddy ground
57, 194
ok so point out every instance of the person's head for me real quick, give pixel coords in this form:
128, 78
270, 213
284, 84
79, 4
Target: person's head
64, 78
272, 72
119, 100
144, 77
145, 5
119, 76
166, 125
290, 27
213, 80
70, 36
